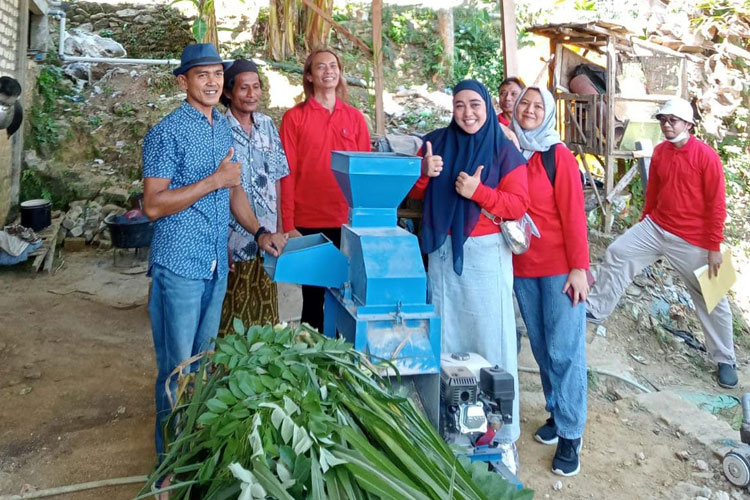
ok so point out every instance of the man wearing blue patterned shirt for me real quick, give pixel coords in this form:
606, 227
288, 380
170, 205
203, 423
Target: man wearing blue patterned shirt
189, 171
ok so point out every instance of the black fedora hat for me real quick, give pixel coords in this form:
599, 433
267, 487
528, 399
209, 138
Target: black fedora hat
199, 54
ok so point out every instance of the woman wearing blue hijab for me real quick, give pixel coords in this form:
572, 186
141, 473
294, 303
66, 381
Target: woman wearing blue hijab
471, 171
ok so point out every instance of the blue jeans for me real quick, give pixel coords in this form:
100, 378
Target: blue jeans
557, 334
185, 315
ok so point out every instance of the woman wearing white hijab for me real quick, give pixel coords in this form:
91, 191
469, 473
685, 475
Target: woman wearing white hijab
550, 278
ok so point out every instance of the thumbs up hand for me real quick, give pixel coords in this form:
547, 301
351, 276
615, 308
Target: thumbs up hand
229, 173
467, 184
432, 165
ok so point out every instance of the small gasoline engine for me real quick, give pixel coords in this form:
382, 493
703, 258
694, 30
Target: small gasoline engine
476, 399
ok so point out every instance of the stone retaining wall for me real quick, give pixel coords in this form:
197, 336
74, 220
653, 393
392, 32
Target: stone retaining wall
157, 31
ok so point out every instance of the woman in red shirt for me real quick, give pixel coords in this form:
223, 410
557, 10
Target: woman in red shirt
469, 171
550, 278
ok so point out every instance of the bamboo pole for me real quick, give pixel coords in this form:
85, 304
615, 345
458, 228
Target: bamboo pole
377, 49
609, 174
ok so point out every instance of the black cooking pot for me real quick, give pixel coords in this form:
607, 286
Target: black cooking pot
130, 234
36, 214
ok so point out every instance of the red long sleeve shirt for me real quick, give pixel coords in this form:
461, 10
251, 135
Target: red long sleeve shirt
686, 194
508, 200
310, 195
559, 215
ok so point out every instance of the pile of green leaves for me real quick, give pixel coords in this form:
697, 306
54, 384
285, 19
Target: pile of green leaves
286, 413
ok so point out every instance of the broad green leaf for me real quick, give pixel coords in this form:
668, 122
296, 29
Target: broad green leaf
269, 382
275, 370
311, 403
318, 428
258, 385
246, 388
301, 470
239, 413
238, 326
286, 453
216, 405
253, 333
226, 347
240, 346
226, 396
256, 346
200, 28
235, 389
220, 358
207, 418
289, 376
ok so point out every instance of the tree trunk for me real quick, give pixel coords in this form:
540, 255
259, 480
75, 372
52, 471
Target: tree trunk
282, 21
445, 27
209, 16
274, 32
510, 40
317, 29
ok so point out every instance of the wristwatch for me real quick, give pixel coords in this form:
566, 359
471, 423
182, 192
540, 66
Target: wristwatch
260, 232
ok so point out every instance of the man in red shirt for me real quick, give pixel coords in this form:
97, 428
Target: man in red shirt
312, 201
683, 220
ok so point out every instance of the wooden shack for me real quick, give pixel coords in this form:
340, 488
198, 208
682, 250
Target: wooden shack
638, 77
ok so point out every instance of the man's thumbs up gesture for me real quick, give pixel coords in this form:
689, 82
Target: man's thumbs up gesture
466, 184
229, 172
432, 165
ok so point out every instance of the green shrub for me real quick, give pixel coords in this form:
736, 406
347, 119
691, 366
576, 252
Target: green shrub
45, 134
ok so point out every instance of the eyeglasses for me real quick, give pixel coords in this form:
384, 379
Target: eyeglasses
672, 120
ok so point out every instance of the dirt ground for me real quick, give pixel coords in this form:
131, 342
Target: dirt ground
76, 383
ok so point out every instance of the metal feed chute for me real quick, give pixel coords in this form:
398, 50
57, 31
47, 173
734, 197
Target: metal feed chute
377, 285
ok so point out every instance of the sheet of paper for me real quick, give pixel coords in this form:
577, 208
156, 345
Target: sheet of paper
716, 288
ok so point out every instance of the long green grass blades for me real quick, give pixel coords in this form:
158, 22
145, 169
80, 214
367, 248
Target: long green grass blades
286, 413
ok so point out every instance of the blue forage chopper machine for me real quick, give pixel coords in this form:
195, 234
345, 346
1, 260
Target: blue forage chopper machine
376, 299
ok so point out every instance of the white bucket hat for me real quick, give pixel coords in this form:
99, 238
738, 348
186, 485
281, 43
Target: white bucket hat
677, 107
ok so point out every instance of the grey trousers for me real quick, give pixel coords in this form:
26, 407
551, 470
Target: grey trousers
641, 246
